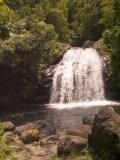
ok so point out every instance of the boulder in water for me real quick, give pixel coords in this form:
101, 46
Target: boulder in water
105, 137
83, 131
88, 120
70, 144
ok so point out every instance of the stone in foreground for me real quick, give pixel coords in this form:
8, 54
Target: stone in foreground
105, 137
70, 144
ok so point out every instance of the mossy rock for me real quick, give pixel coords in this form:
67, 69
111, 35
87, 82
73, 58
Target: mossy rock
105, 137
30, 135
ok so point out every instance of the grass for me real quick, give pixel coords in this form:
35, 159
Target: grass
6, 149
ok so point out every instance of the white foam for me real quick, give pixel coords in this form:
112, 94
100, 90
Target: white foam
61, 106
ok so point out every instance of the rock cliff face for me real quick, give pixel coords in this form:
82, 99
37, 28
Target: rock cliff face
110, 86
45, 86
105, 137
47, 76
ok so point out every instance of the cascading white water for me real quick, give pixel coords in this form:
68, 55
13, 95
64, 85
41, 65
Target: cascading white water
78, 77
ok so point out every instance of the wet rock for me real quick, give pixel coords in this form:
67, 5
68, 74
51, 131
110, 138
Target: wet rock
30, 126
68, 144
8, 126
88, 44
30, 132
43, 142
117, 109
88, 120
84, 131
105, 137
30, 135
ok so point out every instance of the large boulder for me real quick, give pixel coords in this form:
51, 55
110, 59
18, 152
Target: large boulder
83, 131
88, 120
70, 144
105, 137
30, 135
30, 132
30, 126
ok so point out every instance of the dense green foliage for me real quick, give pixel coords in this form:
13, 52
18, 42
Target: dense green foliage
31, 33
111, 37
74, 21
21, 60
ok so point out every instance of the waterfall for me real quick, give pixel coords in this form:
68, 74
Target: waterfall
78, 77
